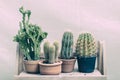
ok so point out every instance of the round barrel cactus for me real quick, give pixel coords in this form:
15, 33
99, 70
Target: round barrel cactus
86, 45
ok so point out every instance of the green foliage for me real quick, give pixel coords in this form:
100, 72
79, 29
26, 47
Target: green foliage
86, 45
29, 36
51, 52
67, 45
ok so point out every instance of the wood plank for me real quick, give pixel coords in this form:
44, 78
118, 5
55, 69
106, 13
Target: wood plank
104, 58
19, 61
96, 75
74, 73
101, 56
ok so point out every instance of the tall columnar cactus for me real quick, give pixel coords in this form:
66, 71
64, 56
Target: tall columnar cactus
86, 45
67, 45
51, 52
51, 59
46, 50
56, 44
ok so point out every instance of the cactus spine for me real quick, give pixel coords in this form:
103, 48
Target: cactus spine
51, 52
67, 45
86, 45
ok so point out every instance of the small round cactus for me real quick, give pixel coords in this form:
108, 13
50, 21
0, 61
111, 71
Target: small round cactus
86, 45
67, 45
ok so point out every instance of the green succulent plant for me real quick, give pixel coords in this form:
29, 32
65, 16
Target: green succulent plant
29, 36
86, 45
51, 59
56, 44
51, 52
67, 45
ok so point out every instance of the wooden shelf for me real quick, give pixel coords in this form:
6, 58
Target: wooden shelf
98, 74
95, 73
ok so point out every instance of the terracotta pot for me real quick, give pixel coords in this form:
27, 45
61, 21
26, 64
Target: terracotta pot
50, 69
31, 66
68, 65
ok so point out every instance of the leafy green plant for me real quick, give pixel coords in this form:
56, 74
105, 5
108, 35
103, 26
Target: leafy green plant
29, 36
51, 52
67, 45
86, 45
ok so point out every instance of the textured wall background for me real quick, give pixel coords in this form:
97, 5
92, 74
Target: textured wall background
101, 17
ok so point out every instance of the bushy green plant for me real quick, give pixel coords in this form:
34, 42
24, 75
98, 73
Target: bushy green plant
67, 45
29, 36
86, 45
51, 52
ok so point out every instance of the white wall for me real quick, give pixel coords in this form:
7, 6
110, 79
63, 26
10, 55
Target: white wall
101, 17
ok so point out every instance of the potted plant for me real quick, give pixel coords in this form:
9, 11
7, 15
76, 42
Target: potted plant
67, 52
29, 38
86, 50
51, 65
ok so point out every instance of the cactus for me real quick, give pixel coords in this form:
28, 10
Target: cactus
29, 37
51, 52
86, 45
56, 44
67, 45
46, 50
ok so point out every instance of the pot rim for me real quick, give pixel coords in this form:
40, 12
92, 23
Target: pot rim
68, 59
86, 56
31, 61
54, 64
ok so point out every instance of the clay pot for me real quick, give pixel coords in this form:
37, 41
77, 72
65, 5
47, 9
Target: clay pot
50, 69
31, 66
68, 65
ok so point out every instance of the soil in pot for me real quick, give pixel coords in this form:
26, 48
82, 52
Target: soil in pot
86, 64
68, 65
50, 69
31, 66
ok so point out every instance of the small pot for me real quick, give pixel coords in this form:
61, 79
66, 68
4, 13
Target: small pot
86, 64
68, 65
50, 69
31, 66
